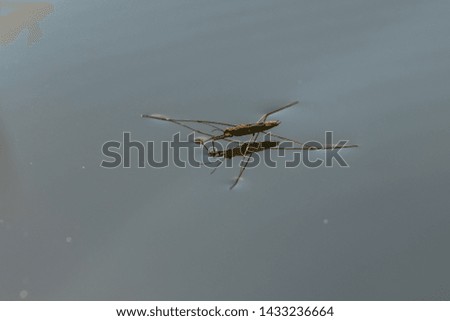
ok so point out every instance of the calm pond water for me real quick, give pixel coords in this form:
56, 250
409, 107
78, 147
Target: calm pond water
374, 72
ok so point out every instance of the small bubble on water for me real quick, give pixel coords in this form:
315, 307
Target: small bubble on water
69, 239
325, 221
23, 294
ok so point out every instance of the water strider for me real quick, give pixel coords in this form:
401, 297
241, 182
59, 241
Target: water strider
245, 149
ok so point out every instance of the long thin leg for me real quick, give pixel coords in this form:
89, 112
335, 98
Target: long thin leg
307, 147
163, 118
247, 159
241, 171
338, 146
212, 172
264, 117
178, 123
285, 138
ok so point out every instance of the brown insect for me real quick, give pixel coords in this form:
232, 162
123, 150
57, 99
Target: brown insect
245, 149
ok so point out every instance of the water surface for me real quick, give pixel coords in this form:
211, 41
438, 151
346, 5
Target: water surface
376, 73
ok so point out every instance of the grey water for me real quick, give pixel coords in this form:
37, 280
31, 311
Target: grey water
374, 72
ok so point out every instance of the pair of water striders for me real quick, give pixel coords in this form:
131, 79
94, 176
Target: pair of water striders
247, 148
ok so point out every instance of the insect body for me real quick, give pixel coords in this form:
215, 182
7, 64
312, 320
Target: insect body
245, 149
232, 130
248, 129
